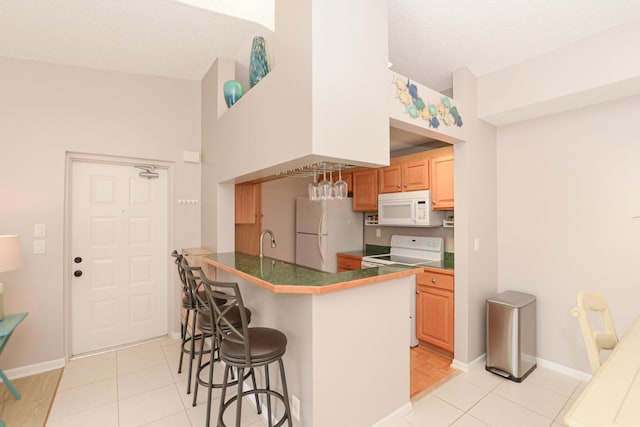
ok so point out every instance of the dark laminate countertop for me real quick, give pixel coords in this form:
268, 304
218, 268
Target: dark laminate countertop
285, 277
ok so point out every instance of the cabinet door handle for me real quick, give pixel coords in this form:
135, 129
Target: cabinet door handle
405, 186
433, 280
417, 292
398, 185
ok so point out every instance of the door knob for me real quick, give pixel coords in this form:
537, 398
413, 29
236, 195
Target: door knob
77, 260
77, 273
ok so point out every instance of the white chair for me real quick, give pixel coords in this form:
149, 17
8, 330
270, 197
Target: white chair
595, 340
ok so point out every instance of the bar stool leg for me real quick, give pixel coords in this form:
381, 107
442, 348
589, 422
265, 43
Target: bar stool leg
183, 336
253, 380
268, 387
239, 401
198, 369
210, 391
223, 393
193, 348
285, 392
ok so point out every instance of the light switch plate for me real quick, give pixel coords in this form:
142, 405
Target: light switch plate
39, 230
38, 246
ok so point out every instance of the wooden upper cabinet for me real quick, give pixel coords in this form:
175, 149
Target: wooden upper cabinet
365, 190
406, 176
247, 206
442, 182
390, 179
415, 175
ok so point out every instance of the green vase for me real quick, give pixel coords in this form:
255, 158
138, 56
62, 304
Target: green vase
233, 91
259, 65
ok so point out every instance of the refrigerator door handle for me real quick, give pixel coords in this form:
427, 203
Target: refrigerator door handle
320, 235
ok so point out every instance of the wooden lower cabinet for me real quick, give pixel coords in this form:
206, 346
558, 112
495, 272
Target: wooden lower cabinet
435, 310
348, 262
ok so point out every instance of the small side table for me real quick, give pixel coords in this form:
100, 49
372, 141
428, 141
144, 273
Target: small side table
7, 326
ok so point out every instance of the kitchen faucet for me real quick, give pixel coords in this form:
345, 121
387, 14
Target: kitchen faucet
273, 239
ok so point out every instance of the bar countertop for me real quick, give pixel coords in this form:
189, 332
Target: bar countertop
284, 277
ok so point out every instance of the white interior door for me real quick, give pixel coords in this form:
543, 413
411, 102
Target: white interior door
118, 256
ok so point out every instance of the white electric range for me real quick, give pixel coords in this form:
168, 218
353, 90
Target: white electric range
410, 251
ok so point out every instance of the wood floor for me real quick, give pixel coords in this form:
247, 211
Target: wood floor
37, 393
427, 369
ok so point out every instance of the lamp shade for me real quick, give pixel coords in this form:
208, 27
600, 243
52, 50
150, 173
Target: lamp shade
10, 256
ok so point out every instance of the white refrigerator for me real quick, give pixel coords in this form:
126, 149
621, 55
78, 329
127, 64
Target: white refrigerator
324, 228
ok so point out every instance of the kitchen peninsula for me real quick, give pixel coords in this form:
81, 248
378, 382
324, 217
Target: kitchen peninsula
347, 357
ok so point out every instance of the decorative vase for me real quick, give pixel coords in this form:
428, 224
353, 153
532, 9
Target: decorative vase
233, 91
259, 65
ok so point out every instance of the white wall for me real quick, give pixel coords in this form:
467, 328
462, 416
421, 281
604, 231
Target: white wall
300, 112
475, 190
48, 110
568, 185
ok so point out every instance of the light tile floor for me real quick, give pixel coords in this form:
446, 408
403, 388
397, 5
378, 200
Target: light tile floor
140, 386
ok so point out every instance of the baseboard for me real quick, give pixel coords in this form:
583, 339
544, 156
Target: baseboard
37, 368
570, 372
395, 415
466, 367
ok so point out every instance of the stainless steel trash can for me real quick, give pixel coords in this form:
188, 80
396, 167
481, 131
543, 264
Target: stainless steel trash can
511, 335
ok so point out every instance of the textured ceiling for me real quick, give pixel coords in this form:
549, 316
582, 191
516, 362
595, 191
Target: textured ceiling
428, 39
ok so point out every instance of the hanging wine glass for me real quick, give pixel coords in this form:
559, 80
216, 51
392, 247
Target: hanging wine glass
333, 185
314, 188
325, 186
340, 186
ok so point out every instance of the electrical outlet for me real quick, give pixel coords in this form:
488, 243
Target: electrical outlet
295, 407
476, 244
378, 232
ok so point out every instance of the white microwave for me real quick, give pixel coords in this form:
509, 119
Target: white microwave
408, 209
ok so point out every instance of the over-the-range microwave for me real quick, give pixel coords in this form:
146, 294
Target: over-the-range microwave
408, 209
